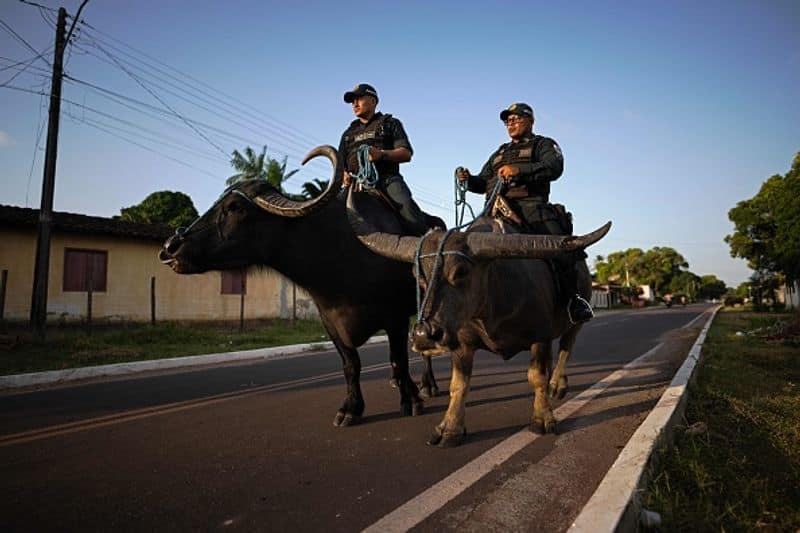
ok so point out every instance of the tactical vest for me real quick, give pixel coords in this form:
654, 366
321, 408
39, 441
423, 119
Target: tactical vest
514, 154
374, 134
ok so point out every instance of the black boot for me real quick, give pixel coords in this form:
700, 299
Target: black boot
579, 310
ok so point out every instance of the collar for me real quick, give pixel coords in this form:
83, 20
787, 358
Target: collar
524, 139
357, 121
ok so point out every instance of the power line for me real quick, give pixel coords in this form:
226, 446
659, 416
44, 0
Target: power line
35, 148
299, 142
115, 96
146, 88
197, 81
10, 30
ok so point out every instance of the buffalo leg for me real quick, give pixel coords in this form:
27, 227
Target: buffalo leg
427, 385
410, 401
558, 378
542, 420
452, 431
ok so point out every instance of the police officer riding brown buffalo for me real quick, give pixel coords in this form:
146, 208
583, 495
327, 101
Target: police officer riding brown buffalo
526, 165
388, 147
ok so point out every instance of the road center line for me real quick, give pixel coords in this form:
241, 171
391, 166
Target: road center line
434, 498
145, 412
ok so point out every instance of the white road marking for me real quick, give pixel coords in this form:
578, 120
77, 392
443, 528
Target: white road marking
434, 498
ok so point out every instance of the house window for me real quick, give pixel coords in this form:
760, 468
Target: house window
83, 268
234, 282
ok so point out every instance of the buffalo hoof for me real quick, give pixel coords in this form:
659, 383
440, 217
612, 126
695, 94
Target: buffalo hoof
345, 419
540, 427
559, 391
393, 383
428, 392
447, 440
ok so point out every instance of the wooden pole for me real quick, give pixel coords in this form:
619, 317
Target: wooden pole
294, 303
3, 283
41, 269
89, 302
241, 304
153, 300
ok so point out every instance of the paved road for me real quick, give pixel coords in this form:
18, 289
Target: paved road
252, 447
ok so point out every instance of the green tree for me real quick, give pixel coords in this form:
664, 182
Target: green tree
711, 287
162, 207
312, 189
250, 166
767, 226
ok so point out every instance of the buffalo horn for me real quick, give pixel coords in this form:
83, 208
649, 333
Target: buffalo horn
397, 247
520, 245
276, 203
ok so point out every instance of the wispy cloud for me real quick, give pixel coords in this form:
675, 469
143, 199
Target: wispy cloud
5, 140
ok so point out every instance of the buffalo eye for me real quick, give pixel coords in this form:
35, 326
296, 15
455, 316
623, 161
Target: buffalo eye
458, 275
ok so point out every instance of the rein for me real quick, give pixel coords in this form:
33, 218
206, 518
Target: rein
422, 300
180, 232
367, 176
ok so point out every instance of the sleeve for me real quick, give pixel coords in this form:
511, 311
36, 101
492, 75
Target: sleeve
477, 184
399, 134
547, 166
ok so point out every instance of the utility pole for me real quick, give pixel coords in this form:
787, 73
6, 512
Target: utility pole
42, 268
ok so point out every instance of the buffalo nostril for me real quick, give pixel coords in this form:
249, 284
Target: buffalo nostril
172, 244
421, 329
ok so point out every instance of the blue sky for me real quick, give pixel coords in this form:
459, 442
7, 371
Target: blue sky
668, 113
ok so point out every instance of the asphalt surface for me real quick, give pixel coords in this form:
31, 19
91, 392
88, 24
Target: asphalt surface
252, 447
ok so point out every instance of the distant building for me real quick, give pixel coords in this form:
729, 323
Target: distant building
120, 260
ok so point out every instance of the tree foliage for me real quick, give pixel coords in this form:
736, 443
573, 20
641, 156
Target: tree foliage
162, 207
711, 288
312, 189
767, 226
655, 267
250, 166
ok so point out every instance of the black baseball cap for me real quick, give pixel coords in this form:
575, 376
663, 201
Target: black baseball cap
519, 108
362, 89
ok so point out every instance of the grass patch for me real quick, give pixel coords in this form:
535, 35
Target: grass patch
743, 473
71, 346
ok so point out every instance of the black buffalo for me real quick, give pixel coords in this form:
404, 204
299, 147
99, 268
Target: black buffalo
491, 291
357, 292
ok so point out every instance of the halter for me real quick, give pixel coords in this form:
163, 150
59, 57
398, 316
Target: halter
422, 301
180, 232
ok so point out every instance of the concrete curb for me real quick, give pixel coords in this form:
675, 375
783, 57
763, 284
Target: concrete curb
74, 374
615, 505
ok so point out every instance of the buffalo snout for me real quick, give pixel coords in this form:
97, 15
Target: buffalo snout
427, 336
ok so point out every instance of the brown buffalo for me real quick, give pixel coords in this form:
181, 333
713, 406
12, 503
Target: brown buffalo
488, 290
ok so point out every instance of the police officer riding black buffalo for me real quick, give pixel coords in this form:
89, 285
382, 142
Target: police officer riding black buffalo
388, 147
526, 165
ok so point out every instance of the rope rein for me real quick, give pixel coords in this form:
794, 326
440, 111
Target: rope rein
422, 301
367, 176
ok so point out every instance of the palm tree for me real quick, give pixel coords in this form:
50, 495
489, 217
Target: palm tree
251, 166
312, 189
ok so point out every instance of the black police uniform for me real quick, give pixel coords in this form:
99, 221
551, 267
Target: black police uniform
540, 161
384, 132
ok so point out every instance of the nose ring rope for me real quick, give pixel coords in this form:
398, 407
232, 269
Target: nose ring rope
422, 301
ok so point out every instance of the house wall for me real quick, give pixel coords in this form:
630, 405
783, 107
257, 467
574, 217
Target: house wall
131, 265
